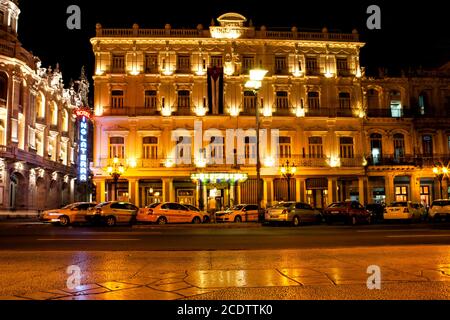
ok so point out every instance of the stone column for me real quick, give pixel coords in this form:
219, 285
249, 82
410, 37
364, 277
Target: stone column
389, 189
301, 189
362, 186
332, 185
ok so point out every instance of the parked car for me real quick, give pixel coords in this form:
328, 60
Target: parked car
350, 212
295, 213
376, 210
169, 212
72, 213
405, 210
439, 209
112, 213
206, 217
239, 213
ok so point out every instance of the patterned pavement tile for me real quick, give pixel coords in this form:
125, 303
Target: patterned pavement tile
171, 286
114, 285
81, 288
238, 278
142, 293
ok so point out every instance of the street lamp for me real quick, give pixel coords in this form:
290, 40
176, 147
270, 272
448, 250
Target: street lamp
440, 172
288, 171
254, 84
115, 170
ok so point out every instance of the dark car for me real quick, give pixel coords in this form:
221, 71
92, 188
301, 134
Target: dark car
376, 210
349, 212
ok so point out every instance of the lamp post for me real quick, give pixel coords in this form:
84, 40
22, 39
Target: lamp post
254, 84
288, 171
440, 172
115, 170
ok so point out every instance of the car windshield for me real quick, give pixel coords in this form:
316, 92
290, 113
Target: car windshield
283, 205
399, 204
100, 205
153, 205
337, 205
238, 207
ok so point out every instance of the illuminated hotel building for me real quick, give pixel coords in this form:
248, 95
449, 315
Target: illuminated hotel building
37, 149
349, 136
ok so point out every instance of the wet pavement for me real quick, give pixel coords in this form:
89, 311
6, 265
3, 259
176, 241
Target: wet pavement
413, 272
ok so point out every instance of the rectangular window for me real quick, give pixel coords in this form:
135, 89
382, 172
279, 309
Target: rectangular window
118, 63
117, 99
285, 147
344, 100
315, 148
313, 100
250, 148
184, 149
184, 100
281, 65
117, 147
151, 99
216, 61
346, 148
249, 102
151, 63
282, 100
342, 67
217, 149
401, 194
312, 66
183, 63
248, 63
150, 148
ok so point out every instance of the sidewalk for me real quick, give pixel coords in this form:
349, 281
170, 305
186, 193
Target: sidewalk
19, 214
421, 272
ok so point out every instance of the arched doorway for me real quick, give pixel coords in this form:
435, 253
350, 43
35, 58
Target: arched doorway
40, 191
17, 192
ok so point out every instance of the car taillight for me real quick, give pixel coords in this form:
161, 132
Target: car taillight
149, 212
406, 210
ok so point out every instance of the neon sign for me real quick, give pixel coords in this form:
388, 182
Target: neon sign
83, 162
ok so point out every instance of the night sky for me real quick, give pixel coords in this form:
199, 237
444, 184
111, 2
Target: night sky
411, 34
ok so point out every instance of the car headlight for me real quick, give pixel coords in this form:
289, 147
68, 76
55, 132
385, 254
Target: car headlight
53, 214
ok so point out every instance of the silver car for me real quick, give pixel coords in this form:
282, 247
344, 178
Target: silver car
295, 213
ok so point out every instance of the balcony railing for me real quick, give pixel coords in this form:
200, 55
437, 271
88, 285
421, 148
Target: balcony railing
136, 32
409, 160
389, 113
329, 112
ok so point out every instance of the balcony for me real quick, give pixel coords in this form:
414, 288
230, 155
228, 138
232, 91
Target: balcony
389, 113
409, 160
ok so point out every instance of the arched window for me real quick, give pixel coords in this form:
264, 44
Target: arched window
65, 121
54, 114
373, 99
399, 146
423, 103
376, 147
40, 106
395, 100
3, 87
427, 145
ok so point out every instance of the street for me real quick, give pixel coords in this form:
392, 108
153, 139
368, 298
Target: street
226, 261
35, 236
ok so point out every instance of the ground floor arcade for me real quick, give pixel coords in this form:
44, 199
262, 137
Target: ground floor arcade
318, 191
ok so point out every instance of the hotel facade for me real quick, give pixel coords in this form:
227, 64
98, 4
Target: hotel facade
37, 130
348, 135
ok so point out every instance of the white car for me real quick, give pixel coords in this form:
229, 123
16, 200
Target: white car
439, 209
405, 210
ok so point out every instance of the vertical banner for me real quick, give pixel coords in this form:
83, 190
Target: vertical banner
83, 116
215, 90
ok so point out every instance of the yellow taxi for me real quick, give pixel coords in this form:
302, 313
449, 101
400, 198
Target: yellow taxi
72, 213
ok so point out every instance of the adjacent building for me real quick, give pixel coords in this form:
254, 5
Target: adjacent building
350, 136
37, 129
